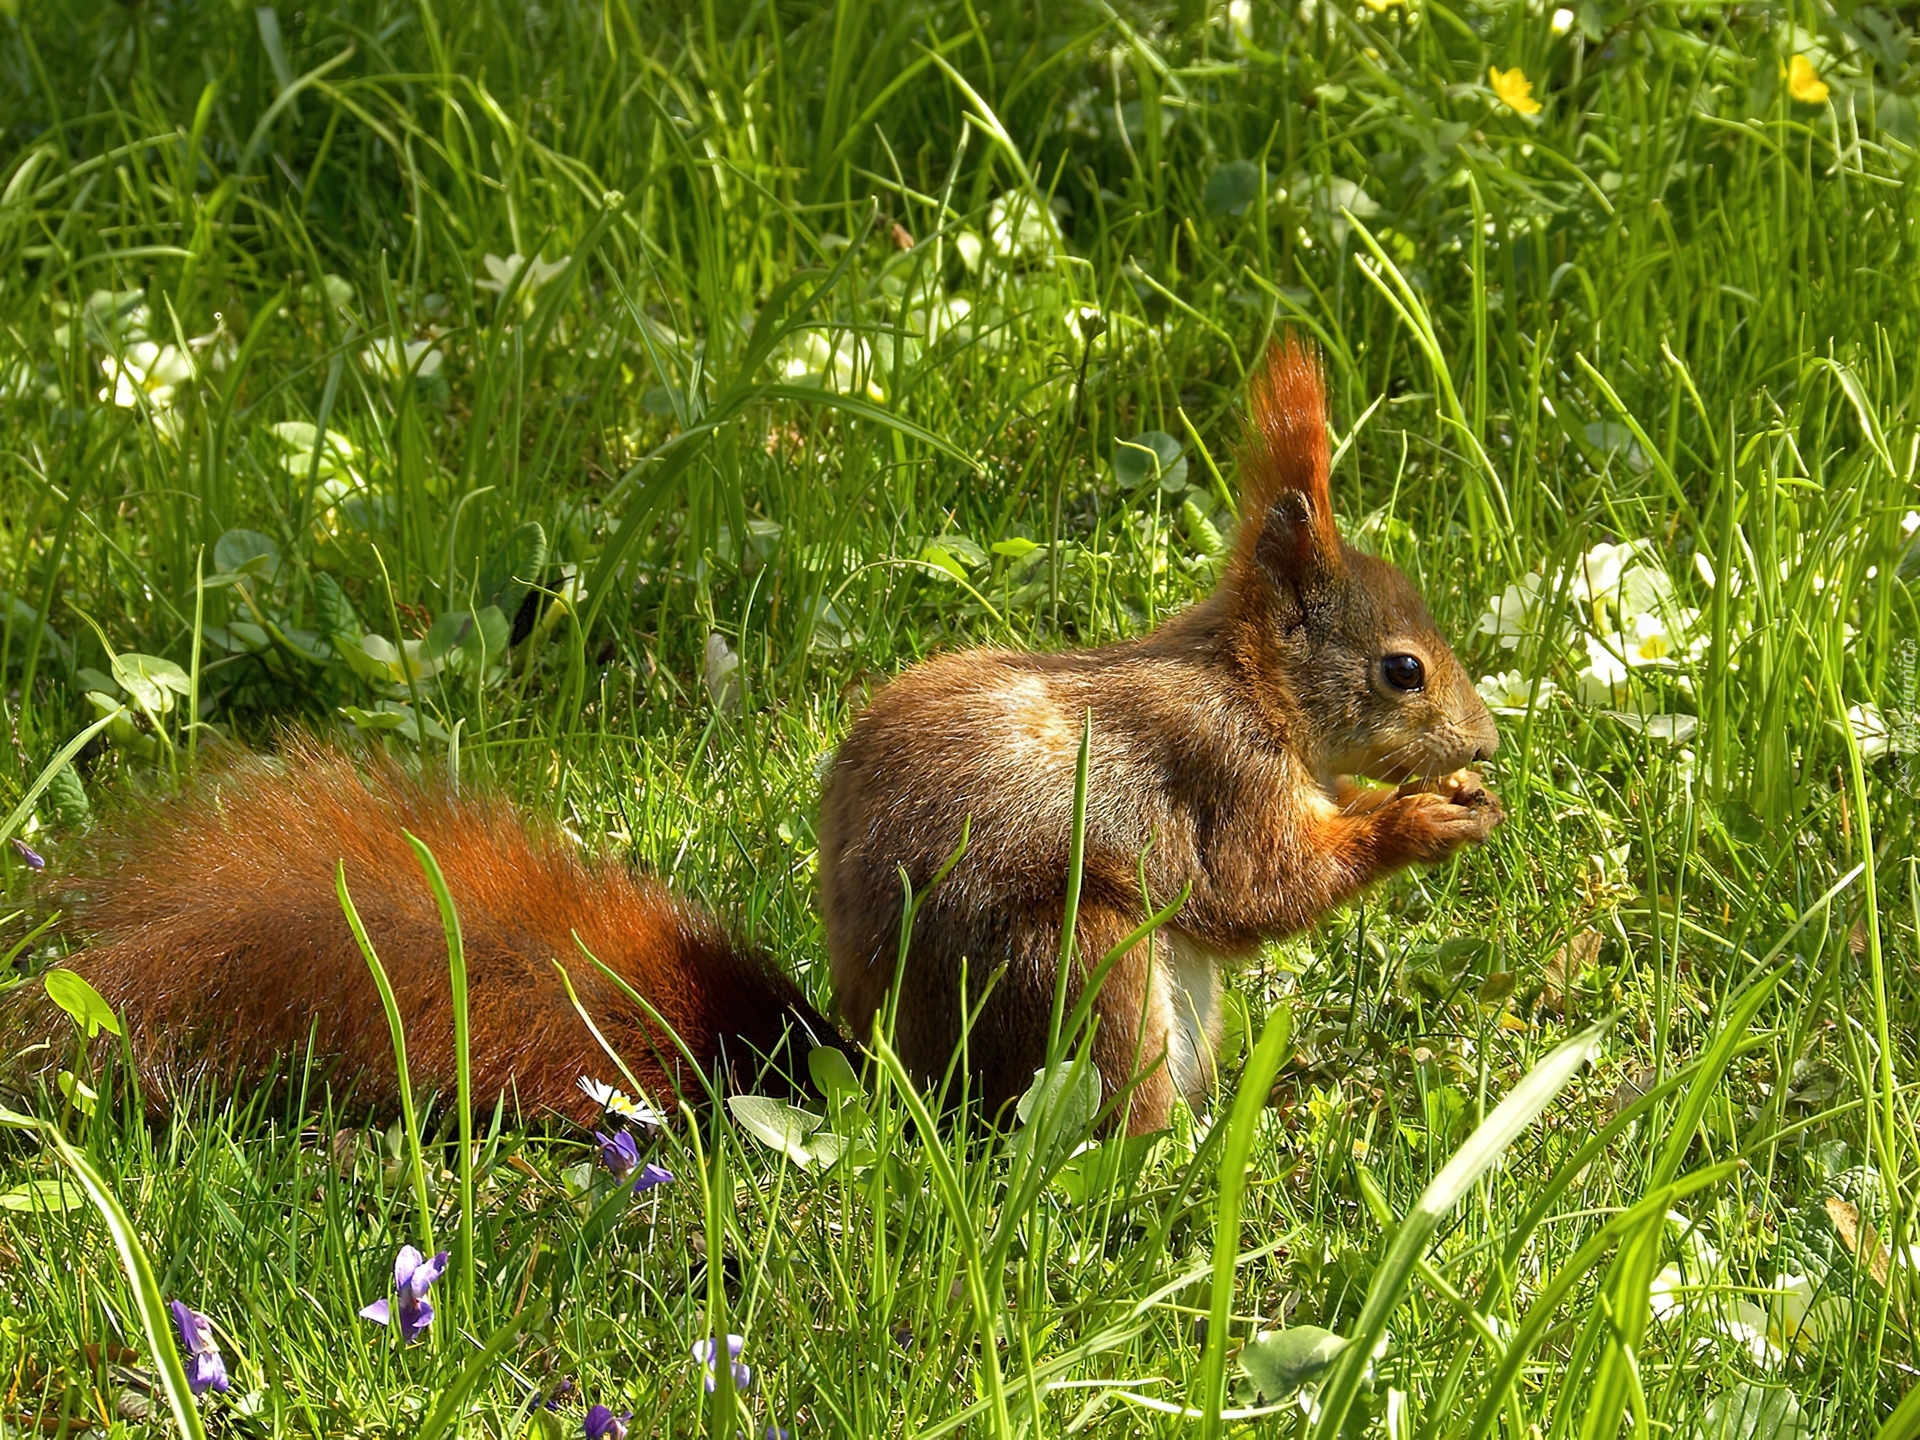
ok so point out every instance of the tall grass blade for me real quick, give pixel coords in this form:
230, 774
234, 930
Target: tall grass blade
396, 1028
162, 1350
1482, 1150
462, 1060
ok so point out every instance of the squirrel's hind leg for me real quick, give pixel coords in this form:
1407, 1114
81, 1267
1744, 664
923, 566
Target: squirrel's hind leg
1160, 1019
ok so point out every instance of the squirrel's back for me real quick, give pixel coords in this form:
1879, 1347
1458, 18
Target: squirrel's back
218, 936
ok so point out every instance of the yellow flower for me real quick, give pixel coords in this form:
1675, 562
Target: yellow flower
1515, 90
1804, 82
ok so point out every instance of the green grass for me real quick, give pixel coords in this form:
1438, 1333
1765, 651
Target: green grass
819, 378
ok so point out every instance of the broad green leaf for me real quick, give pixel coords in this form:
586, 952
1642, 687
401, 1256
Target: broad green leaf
246, 552
67, 797
82, 1096
1745, 1411
777, 1125
54, 1194
91, 1014
373, 719
1233, 187
1067, 1092
1281, 1361
472, 635
1152, 456
333, 612
150, 680
512, 569
1016, 547
938, 557
832, 1072
59, 762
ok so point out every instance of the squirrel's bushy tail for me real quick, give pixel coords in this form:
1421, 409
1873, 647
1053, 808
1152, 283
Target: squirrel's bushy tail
218, 936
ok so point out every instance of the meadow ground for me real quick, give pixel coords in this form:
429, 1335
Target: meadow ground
786, 345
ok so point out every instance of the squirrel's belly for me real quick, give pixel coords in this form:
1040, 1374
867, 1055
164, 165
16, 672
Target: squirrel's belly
1186, 986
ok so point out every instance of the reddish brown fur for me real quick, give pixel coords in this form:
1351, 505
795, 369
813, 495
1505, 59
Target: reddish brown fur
219, 937
1286, 445
1220, 743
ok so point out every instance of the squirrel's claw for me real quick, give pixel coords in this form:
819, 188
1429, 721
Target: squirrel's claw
1430, 819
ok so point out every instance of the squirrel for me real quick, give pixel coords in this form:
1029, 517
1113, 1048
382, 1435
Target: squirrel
1226, 742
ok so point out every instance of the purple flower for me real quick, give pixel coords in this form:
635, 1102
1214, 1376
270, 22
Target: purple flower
619, 1152
603, 1424
206, 1370
775, 1432
34, 861
412, 1276
559, 1393
707, 1353
651, 1175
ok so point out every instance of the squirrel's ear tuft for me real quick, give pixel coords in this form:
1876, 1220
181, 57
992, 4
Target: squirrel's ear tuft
1285, 508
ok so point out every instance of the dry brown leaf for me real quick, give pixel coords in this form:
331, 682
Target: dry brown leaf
1859, 1238
1564, 968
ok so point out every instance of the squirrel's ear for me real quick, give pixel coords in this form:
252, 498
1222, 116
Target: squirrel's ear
1286, 524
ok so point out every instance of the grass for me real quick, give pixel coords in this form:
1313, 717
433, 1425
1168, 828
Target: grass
846, 318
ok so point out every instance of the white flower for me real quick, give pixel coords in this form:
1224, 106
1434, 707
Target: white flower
1562, 20
107, 316
1745, 1323
722, 674
944, 314
1018, 224
1509, 616
1675, 729
501, 273
1910, 522
299, 438
1661, 637
1643, 588
1871, 732
396, 360
847, 367
1604, 675
620, 1103
1797, 1313
1666, 1296
1510, 692
1081, 319
1627, 576
146, 371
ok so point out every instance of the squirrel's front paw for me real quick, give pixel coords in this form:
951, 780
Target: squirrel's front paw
1429, 824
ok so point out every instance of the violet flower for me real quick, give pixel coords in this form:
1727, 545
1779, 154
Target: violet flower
206, 1369
651, 1175
707, 1353
619, 1152
603, 1424
34, 860
413, 1274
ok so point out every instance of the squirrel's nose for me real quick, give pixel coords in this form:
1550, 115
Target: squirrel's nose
1488, 738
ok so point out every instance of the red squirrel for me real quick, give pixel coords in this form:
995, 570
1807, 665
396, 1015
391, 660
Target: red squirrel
1222, 746
1223, 743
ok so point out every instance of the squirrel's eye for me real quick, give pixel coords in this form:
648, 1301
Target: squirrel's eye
1404, 672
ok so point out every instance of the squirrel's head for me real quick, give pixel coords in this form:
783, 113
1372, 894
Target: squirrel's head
1352, 667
